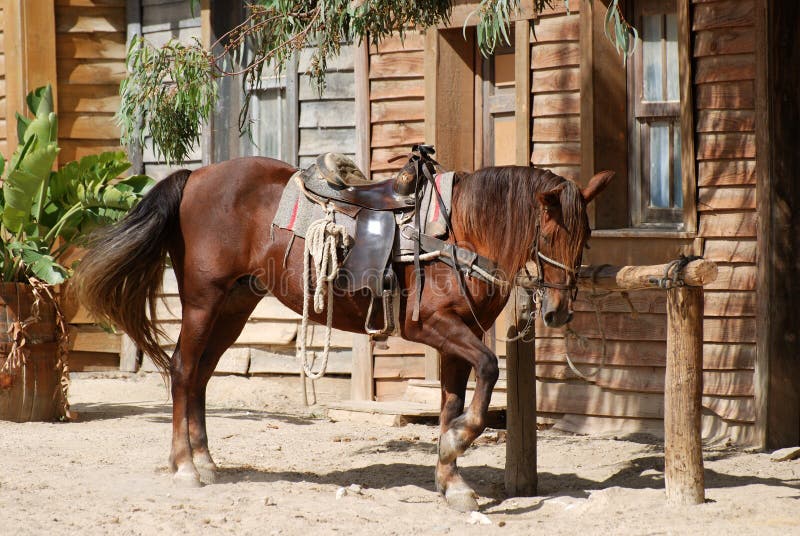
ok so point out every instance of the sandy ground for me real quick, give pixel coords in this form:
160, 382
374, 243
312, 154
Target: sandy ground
283, 464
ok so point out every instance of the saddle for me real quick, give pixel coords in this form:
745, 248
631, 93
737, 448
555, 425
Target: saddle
344, 182
335, 179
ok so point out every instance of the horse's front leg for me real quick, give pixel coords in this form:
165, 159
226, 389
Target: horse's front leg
462, 347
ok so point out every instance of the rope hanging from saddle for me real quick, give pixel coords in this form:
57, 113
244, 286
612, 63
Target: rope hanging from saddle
323, 239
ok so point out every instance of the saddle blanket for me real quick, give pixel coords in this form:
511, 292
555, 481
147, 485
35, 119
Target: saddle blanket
296, 212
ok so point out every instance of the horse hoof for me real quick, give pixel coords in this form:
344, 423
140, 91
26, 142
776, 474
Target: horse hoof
187, 478
208, 472
462, 500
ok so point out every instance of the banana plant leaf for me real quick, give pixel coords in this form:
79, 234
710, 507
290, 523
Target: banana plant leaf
39, 262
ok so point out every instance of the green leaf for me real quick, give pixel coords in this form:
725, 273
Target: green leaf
39, 263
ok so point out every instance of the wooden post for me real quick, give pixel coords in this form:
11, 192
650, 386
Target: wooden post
30, 48
362, 386
133, 14
128, 355
521, 476
683, 388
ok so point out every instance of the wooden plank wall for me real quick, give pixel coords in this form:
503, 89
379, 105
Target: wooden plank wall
327, 121
724, 73
397, 100
268, 342
90, 59
90, 62
627, 380
555, 84
3, 114
397, 120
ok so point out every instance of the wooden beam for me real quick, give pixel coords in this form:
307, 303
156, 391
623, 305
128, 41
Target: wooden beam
454, 92
522, 84
521, 476
688, 164
683, 392
777, 169
30, 48
363, 119
697, 274
206, 31
431, 80
133, 13
604, 128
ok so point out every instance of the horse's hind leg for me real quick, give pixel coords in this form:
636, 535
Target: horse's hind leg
200, 310
237, 308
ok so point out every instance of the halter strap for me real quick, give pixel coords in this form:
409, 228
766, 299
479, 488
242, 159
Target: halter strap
555, 263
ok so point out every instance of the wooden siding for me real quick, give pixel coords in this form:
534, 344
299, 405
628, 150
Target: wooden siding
327, 121
724, 65
90, 59
397, 100
397, 120
631, 369
3, 107
555, 87
90, 64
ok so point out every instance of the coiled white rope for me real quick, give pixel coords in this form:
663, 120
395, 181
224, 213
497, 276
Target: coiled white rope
322, 239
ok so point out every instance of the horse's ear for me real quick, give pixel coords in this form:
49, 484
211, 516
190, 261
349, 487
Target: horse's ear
597, 184
550, 200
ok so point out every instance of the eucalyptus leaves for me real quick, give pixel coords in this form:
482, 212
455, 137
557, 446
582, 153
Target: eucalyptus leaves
171, 91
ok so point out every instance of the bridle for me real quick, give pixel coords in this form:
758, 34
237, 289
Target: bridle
540, 259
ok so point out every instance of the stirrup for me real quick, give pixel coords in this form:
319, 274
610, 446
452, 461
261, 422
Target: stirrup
388, 314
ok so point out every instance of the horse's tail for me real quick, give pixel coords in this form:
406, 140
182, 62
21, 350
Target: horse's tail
120, 276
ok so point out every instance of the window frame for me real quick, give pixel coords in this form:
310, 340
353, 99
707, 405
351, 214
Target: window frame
605, 132
641, 114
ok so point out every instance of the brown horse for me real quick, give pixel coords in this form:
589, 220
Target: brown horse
215, 225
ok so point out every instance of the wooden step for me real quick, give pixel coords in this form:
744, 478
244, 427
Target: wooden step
429, 392
389, 413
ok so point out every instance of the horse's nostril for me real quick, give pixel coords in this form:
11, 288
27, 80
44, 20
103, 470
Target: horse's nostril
549, 316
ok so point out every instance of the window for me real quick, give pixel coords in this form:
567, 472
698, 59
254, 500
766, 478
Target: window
637, 119
266, 111
654, 109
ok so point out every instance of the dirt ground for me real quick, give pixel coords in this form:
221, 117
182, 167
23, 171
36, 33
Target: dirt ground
283, 466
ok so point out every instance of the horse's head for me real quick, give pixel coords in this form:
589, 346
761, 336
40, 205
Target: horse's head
563, 230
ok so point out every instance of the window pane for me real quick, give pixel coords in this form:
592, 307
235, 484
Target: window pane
659, 164
673, 79
503, 70
676, 164
505, 143
652, 62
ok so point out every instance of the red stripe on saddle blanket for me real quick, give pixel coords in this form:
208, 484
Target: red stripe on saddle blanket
435, 201
293, 217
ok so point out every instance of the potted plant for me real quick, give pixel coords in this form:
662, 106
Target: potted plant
43, 214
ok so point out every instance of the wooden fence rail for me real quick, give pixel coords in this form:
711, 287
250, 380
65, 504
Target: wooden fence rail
683, 457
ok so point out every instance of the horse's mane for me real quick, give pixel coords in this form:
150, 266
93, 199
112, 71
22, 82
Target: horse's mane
496, 207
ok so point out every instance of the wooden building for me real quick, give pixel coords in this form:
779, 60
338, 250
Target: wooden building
688, 127
697, 126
